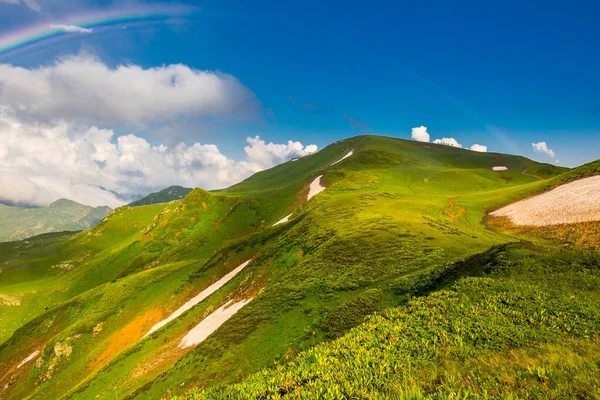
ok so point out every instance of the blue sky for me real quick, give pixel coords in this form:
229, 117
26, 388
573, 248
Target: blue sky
501, 74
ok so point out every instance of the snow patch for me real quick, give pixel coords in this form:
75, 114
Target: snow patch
211, 323
315, 187
283, 220
343, 158
31, 357
201, 296
571, 203
500, 168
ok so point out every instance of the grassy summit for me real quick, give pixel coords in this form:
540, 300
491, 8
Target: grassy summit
396, 238
164, 196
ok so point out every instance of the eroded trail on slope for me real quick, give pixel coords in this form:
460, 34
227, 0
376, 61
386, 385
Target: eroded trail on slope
451, 210
524, 172
201, 296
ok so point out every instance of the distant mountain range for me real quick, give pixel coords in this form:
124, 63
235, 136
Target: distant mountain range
17, 222
123, 197
164, 196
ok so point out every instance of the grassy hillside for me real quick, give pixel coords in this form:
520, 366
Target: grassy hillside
397, 219
18, 223
164, 196
527, 328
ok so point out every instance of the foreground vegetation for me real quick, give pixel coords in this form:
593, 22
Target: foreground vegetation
526, 328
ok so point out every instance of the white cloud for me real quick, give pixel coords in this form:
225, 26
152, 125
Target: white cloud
271, 154
479, 147
31, 4
420, 134
542, 147
71, 28
82, 88
41, 163
448, 142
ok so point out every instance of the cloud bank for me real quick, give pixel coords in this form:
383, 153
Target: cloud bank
82, 88
42, 163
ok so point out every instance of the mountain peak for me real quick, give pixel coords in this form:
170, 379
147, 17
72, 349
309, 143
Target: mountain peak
64, 203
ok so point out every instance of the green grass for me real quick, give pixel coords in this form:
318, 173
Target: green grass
164, 196
527, 329
399, 219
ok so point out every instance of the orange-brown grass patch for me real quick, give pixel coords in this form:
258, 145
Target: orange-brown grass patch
165, 221
204, 204
450, 210
127, 336
146, 236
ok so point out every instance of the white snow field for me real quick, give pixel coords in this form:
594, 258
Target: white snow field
201, 296
315, 187
211, 323
343, 158
283, 220
26, 360
571, 203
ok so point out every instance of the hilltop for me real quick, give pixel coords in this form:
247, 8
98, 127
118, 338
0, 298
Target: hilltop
18, 223
164, 196
364, 268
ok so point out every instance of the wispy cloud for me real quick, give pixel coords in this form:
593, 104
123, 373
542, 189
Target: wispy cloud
31, 4
355, 123
71, 28
306, 105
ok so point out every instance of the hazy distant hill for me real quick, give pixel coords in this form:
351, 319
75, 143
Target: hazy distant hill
164, 196
63, 215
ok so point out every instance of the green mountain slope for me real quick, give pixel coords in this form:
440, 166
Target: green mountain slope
397, 219
18, 223
164, 196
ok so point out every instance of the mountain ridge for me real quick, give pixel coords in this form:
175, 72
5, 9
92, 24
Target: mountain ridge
398, 221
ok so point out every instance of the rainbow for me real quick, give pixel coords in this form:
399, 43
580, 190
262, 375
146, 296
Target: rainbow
101, 20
